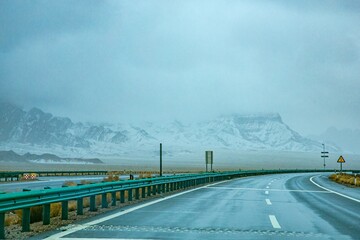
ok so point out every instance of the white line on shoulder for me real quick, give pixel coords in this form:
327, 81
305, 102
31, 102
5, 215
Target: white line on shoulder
340, 194
83, 226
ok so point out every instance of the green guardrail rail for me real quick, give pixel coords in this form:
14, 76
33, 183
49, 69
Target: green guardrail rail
149, 187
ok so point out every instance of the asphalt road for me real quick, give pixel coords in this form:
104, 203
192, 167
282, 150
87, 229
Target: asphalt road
284, 206
53, 182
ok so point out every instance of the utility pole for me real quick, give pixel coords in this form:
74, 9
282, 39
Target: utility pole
160, 159
324, 155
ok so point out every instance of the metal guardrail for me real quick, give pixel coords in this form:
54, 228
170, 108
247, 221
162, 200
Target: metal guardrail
150, 186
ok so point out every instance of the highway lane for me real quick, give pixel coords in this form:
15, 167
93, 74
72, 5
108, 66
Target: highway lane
53, 182
284, 206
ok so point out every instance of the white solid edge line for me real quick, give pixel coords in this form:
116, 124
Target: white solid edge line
340, 194
274, 221
85, 225
268, 202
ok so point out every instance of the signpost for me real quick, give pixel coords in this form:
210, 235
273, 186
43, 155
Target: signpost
160, 159
341, 160
209, 159
324, 154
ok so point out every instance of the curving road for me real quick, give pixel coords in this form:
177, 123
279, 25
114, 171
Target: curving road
284, 206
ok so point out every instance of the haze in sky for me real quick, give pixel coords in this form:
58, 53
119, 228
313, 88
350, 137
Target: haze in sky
121, 61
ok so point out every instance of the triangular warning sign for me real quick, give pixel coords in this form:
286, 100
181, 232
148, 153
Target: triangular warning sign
341, 159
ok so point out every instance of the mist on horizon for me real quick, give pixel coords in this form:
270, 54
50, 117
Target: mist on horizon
126, 61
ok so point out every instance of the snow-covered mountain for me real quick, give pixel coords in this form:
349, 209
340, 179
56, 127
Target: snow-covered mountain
35, 130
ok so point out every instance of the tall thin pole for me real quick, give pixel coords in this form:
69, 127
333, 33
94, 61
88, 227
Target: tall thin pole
160, 159
206, 163
341, 167
324, 155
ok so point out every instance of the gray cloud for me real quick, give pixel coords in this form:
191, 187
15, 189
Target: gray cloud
146, 60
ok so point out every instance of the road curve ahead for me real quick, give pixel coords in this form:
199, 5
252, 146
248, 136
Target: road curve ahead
284, 206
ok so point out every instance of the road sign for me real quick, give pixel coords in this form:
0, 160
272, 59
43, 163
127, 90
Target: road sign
341, 159
209, 159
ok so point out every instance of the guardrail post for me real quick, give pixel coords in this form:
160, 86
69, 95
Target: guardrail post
64, 210
137, 193
92, 203
143, 189
104, 203
122, 196
46, 214
113, 199
80, 206
26, 219
2, 225
163, 188
149, 191
130, 193
355, 179
159, 188
154, 189
167, 187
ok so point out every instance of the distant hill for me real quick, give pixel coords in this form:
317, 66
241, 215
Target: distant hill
37, 131
11, 156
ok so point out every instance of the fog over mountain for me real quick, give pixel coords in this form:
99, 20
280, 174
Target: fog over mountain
127, 61
347, 139
37, 131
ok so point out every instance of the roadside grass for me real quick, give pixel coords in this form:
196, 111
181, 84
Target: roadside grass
112, 177
145, 175
346, 179
70, 183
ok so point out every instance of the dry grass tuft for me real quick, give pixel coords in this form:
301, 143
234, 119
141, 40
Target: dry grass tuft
12, 219
344, 178
55, 209
86, 202
70, 183
72, 206
145, 175
111, 177
35, 214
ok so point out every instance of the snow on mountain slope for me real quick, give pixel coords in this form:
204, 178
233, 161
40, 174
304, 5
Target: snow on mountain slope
21, 130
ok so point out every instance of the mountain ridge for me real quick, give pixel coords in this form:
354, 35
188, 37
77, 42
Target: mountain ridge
27, 130
11, 156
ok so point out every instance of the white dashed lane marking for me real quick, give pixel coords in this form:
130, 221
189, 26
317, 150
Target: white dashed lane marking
268, 202
274, 221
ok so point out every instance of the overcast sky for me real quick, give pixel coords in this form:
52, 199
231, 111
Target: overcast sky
122, 61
